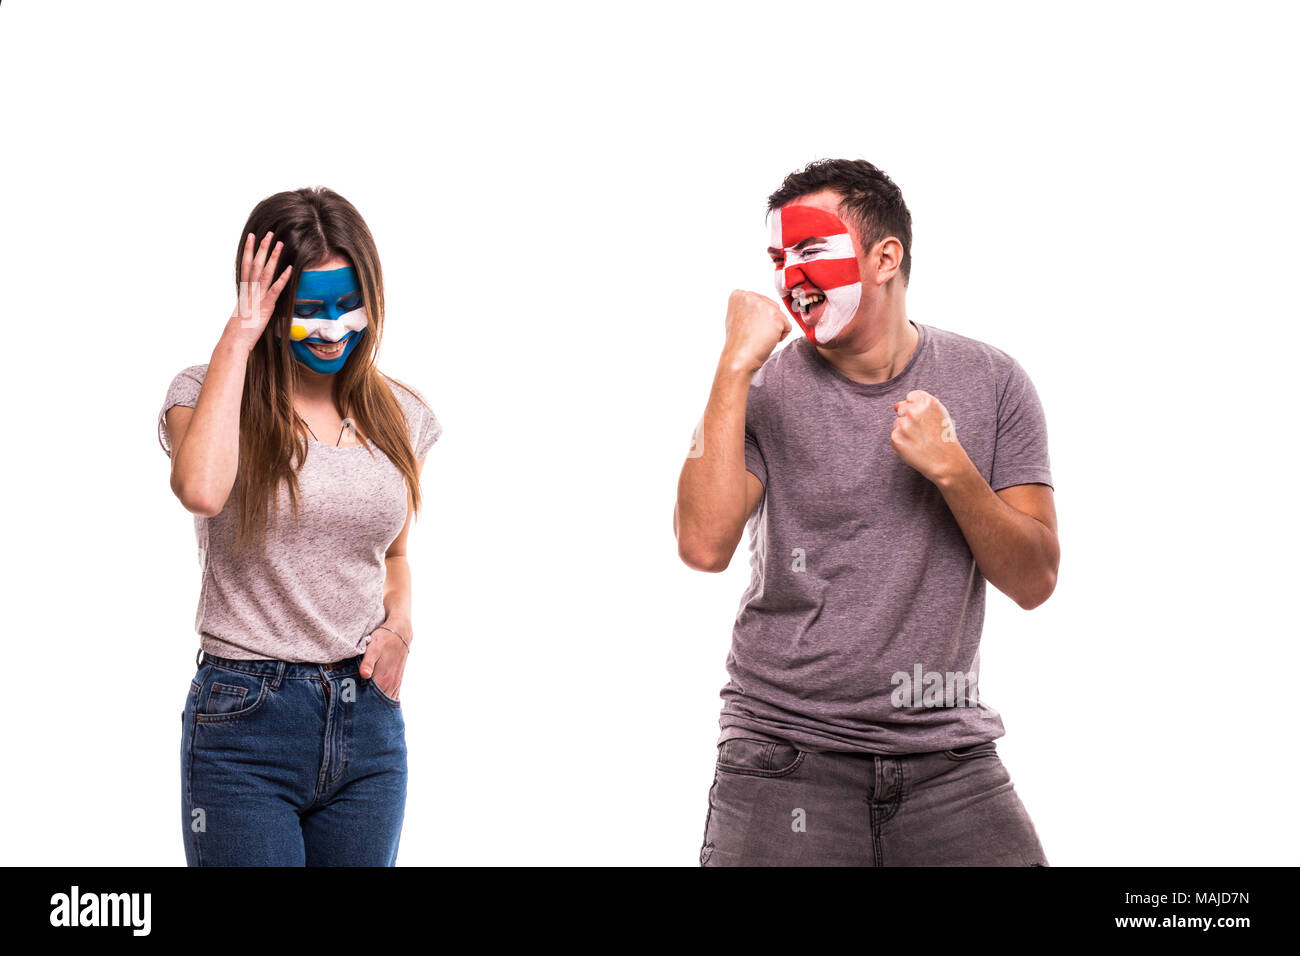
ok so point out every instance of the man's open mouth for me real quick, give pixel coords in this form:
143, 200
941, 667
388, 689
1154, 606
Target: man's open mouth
805, 301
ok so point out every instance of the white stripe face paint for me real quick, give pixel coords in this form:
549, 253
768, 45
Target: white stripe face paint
329, 330
835, 247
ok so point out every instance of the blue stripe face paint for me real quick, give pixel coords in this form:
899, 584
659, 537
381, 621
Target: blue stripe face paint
328, 309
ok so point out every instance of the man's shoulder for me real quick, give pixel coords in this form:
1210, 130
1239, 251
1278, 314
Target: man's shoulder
967, 353
958, 343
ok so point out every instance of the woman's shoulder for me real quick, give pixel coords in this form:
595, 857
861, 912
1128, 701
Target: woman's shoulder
410, 398
406, 393
424, 426
185, 384
182, 390
194, 373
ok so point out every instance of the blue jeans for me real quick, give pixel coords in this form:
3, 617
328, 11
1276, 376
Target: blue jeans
773, 804
290, 764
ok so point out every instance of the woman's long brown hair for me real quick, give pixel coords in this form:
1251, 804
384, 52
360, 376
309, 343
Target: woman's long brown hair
315, 224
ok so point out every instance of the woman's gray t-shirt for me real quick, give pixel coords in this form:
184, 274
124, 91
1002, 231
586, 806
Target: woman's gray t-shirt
860, 629
315, 592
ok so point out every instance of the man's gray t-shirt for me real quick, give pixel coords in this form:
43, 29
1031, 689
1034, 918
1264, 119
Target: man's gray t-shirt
861, 625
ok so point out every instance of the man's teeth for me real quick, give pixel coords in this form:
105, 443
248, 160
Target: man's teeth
805, 302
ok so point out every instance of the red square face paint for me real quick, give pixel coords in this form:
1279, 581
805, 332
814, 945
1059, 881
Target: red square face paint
816, 270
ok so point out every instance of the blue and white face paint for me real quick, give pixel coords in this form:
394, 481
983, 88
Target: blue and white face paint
329, 317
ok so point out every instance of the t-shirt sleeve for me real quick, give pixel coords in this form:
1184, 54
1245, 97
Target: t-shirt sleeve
425, 427
1020, 449
755, 464
184, 390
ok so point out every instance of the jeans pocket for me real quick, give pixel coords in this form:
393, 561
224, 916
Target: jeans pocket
971, 751
391, 702
229, 695
758, 758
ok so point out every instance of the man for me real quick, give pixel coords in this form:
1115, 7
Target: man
886, 469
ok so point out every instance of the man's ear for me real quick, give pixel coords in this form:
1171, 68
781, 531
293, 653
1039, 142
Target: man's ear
892, 248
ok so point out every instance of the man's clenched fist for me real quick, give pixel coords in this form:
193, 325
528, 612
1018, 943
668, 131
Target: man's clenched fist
755, 324
925, 437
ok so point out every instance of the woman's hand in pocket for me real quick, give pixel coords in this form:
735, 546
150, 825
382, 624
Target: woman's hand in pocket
385, 658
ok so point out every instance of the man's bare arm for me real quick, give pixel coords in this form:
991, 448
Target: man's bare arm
715, 494
1011, 533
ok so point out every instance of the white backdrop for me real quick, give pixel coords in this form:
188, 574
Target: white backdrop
563, 195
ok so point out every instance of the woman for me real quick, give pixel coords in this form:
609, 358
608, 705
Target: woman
293, 744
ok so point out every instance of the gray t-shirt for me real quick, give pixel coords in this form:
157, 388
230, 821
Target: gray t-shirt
316, 592
860, 628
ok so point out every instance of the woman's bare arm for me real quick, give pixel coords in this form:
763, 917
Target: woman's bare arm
205, 439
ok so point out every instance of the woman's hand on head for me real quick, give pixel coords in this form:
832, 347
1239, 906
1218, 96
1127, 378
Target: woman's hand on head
258, 291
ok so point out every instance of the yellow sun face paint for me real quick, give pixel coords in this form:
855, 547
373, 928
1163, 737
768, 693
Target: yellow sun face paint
297, 333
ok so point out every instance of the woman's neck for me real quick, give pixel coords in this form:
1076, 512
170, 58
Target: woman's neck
313, 387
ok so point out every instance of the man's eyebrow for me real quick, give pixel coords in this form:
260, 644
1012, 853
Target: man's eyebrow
800, 245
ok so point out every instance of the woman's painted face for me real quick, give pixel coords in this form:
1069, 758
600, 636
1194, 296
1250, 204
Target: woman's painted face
329, 316
816, 270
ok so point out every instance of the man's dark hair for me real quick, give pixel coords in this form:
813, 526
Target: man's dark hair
870, 200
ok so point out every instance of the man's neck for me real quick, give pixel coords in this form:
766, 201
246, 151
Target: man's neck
875, 356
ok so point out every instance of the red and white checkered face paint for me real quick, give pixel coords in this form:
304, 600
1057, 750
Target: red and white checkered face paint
816, 270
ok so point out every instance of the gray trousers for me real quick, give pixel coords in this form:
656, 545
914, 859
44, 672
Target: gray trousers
772, 804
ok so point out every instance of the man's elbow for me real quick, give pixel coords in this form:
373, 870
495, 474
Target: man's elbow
701, 557
1040, 593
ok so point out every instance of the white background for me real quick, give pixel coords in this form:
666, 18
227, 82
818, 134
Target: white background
563, 195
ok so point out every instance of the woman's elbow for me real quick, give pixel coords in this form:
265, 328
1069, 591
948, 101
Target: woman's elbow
201, 503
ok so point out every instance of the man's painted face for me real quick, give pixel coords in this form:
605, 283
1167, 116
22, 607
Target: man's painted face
816, 270
329, 317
